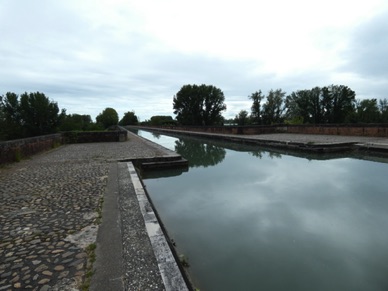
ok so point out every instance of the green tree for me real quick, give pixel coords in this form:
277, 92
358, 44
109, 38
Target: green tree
367, 111
129, 118
76, 122
305, 105
298, 105
316, 107
383, 108
39, 115
108, 117
273, 107
11, 127
331, 104
242, 118
338, 103
199, 105
159, 120
256, 111
2, 122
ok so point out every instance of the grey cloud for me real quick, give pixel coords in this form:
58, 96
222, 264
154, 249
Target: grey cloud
88, 63
368, 47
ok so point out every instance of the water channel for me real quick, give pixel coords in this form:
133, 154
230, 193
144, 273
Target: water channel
252, 219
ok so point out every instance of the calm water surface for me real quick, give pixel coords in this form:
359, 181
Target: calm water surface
256, 220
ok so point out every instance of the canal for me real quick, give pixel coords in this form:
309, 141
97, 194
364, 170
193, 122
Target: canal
251, 219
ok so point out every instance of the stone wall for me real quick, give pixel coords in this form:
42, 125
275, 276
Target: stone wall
372, 130
15, 150
95, 136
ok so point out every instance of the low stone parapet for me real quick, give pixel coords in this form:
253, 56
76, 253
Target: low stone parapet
94, 136
15, 150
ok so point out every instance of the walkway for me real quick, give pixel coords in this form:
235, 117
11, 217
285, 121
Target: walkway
50, 207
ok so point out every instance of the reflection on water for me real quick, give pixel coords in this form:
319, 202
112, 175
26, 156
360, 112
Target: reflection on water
259, 154
199, 154
279, 222
155, 135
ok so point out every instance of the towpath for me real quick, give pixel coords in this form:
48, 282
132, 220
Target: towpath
50, 206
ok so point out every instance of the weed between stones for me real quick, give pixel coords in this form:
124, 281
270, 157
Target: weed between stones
90, 250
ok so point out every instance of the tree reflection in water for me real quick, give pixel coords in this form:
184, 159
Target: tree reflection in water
200, 154
156, 135
259, 154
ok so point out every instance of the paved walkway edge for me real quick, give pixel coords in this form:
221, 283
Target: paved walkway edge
109, 252
169, 270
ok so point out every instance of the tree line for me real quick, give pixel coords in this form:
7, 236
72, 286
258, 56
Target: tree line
33, 114
204, 104
329, 104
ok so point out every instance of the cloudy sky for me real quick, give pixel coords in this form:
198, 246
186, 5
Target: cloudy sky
136, 54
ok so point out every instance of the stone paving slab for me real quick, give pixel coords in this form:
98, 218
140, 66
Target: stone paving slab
49, 212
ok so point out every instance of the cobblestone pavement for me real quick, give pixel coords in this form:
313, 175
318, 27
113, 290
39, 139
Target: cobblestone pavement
49, 212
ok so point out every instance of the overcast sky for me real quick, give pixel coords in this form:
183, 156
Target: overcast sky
87, 55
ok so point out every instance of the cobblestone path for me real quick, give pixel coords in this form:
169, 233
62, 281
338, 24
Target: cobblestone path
49, 212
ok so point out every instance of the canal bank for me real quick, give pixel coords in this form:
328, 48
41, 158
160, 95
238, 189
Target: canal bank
318, 143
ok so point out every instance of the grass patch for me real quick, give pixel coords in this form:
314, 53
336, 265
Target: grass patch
56, 144
91, 253
18, 155
184, 261
90, 250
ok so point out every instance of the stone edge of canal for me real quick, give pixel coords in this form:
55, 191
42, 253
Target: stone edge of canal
173, 274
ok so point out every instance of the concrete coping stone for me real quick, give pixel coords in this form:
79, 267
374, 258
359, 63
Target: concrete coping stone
169, 270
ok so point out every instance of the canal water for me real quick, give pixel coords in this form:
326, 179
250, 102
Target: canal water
251, 219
